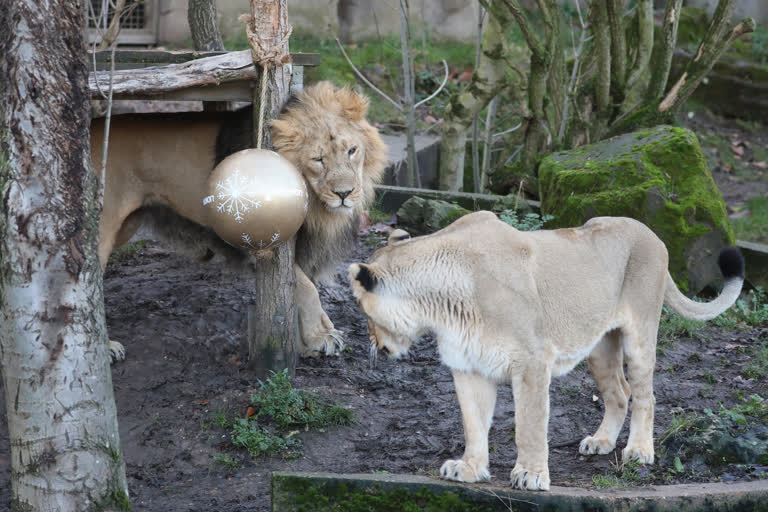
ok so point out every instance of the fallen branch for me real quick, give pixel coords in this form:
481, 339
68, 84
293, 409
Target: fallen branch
229, 67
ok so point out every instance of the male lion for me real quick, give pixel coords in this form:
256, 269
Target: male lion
158, 165
522, 307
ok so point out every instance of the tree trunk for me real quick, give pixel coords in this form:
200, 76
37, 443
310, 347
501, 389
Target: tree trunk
273, 319
201, 16
65, 448
486, 82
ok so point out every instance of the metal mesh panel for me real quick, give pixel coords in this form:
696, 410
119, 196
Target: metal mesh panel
135, 19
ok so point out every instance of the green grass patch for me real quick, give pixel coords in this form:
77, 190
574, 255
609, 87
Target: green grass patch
126, 252
623, 474
672, 325
757, 368
281, 412
753, 227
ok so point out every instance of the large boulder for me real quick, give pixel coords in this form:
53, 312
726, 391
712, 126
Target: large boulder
658, 176
422, 216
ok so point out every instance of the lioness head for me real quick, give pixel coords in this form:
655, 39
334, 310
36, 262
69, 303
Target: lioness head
391, 327
323, 131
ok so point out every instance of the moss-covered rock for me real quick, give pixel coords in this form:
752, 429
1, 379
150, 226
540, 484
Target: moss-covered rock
658, 176
428, 215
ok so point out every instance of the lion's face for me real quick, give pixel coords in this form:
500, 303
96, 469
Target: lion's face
332, 164
324, 133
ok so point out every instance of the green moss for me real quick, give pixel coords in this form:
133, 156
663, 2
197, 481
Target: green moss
332, 496
657, 176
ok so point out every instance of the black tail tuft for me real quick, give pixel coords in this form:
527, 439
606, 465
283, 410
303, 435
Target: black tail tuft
366, 278
731, 263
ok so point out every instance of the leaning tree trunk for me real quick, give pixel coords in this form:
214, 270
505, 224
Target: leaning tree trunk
65, 448
273, 325
486, 82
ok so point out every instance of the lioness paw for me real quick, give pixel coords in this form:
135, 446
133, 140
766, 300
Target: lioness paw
116, 351
330, 343
461, 471
641, 452
592, 445
522, 478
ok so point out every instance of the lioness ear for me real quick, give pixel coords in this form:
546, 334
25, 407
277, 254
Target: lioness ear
354, 106
361, 273
398, 235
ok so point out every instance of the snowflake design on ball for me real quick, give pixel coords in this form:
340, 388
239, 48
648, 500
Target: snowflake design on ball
233, 200
249, 243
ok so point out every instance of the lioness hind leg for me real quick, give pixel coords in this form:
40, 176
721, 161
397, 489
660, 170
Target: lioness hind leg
318, 335
640, 350
606, 364
530, 388
477, 399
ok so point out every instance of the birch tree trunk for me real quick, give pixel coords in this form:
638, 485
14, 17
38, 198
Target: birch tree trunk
273, 320
65, 449
487, 81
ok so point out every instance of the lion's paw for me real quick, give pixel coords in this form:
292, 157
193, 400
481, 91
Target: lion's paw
641, 452
522, 478
330, 343
462, 471
116, 351
592, 445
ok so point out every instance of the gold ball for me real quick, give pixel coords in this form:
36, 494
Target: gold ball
255, 199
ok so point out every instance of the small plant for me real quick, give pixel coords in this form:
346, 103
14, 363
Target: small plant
288, 407
258, 441
752, 312
529, 222
276, 414
226, 462
126, 252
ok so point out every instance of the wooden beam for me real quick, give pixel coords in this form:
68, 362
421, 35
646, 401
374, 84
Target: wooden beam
134, 59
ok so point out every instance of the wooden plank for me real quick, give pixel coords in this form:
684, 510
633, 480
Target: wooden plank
136, 59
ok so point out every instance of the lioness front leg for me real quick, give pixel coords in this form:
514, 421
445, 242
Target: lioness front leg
318, 335
530, 388
477, 399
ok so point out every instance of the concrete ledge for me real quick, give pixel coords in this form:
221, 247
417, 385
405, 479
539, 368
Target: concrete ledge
292, 491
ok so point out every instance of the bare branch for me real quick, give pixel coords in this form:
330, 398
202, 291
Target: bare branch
367, 82
701, 65
645, 41
662, 57
445, 80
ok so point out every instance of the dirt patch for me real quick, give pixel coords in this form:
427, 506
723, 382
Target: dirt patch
183, 328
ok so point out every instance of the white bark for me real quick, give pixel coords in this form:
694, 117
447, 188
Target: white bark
65, 449
487, 80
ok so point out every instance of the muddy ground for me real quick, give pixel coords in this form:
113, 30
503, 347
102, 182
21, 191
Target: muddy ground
184, 329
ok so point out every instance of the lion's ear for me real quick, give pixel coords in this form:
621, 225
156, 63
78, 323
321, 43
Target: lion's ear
354, 106
398, 235
363, 275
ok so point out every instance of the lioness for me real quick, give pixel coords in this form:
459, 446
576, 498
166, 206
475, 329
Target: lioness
522, 307
158, 165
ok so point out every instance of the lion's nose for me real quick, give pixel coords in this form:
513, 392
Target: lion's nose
342, 193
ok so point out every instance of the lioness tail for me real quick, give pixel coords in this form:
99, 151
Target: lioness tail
731, 264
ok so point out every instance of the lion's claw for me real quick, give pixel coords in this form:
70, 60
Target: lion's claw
462, 471
329, 344
116, 351
522, 478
